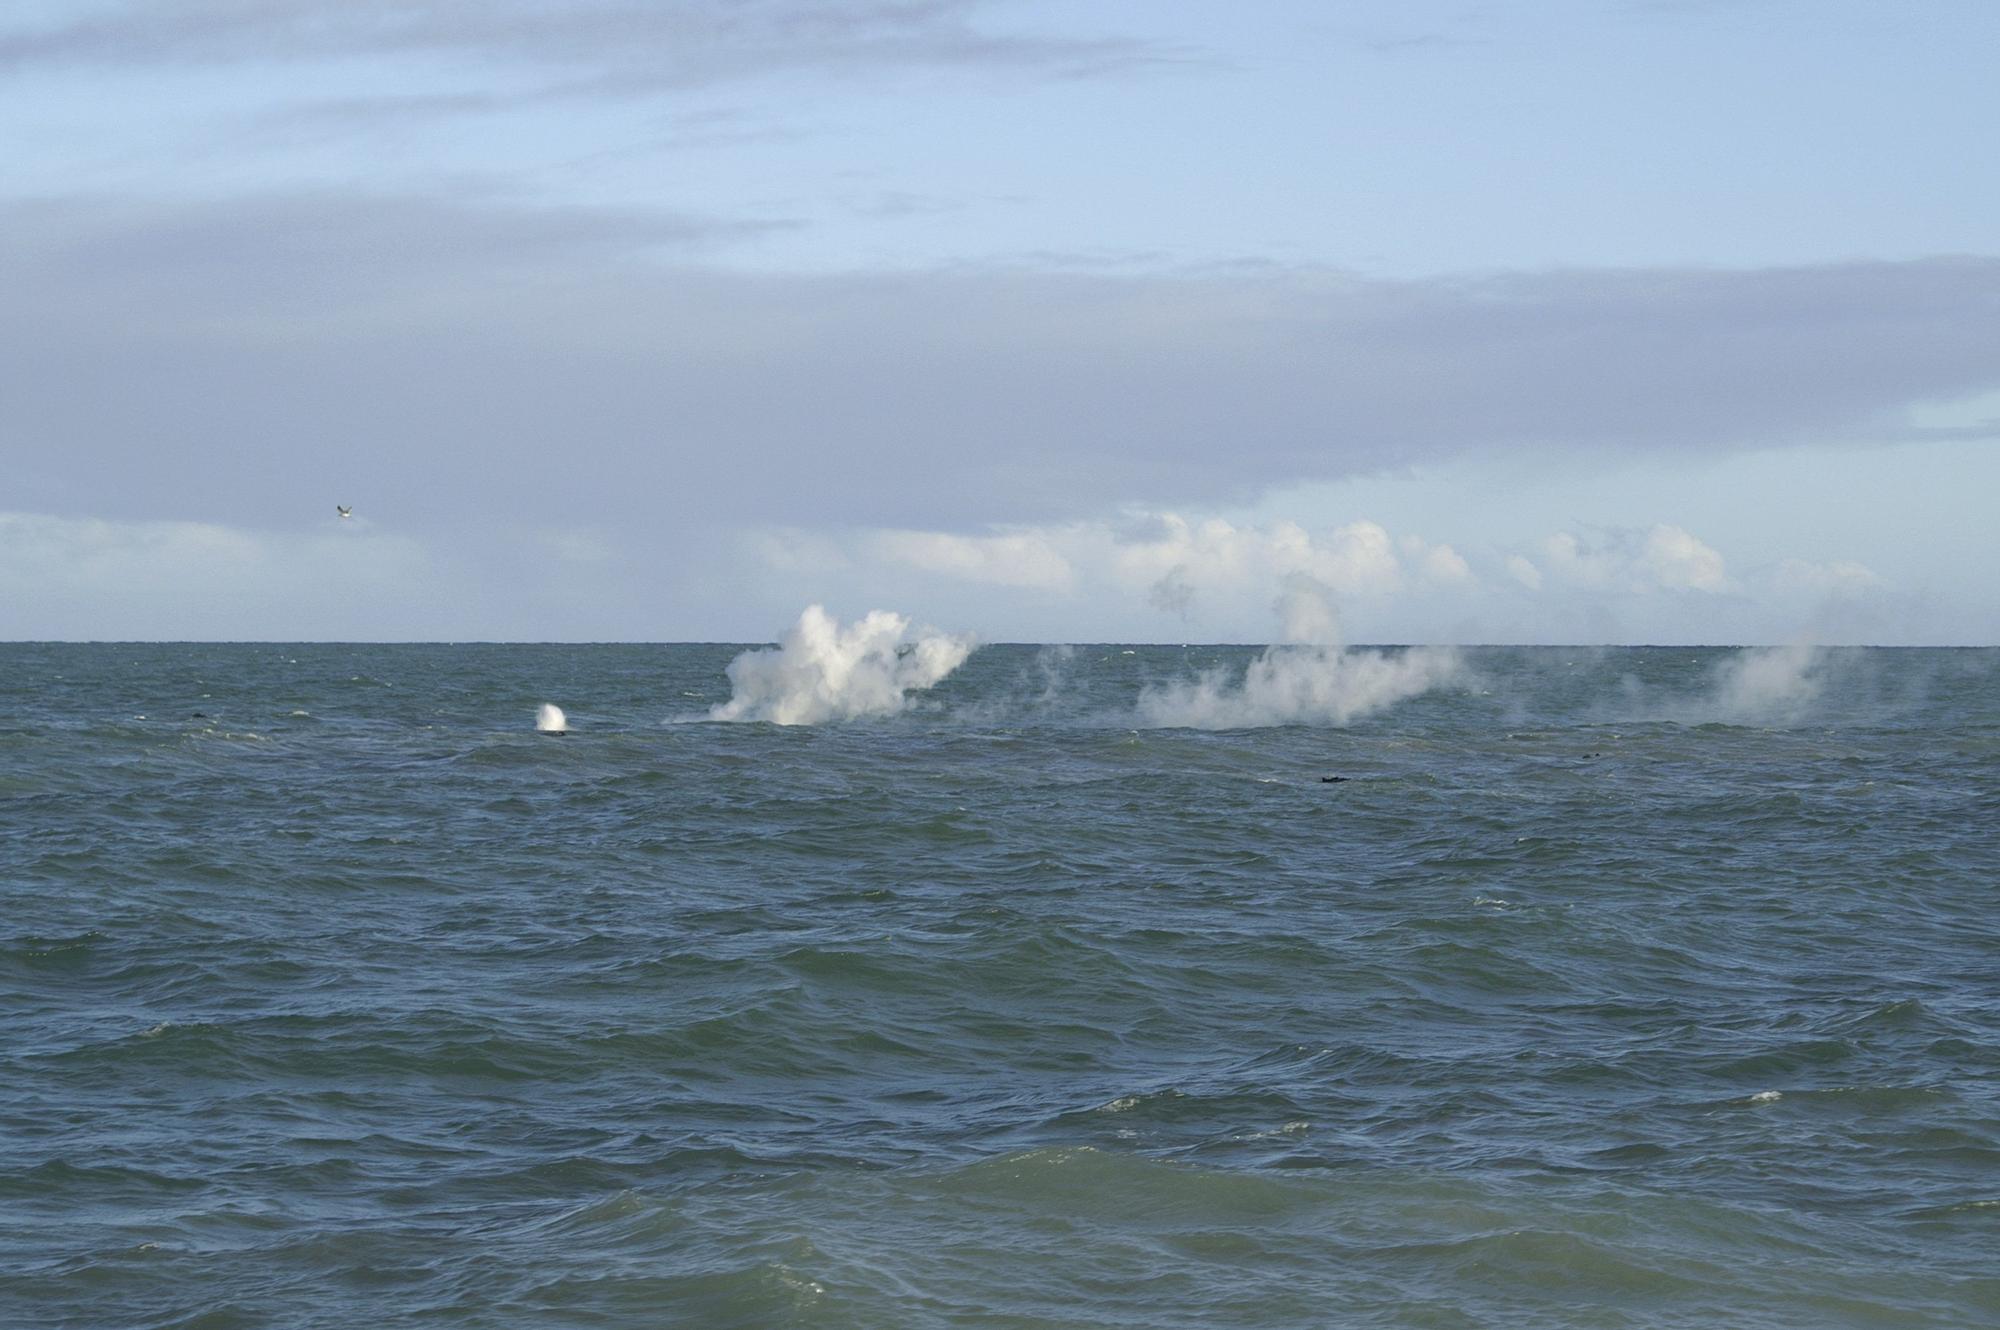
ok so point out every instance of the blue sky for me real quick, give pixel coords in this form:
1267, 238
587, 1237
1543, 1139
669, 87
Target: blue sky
1566, 321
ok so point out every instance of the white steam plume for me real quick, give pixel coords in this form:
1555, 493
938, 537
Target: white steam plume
1765, 684
823, 671
1308, 680
549, 719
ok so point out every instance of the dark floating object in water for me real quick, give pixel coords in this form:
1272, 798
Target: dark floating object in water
1331, 780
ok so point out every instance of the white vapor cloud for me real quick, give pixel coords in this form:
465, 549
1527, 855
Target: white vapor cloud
1019, 559
1146, 573
1172, 560
1659, 558
1838, 578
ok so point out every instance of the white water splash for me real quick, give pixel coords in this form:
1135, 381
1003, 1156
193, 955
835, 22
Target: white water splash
549, 719
1769, 683
823, 671
1293, 685
1310, 679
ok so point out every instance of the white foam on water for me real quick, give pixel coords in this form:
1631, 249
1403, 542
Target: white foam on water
549, 719
825, 671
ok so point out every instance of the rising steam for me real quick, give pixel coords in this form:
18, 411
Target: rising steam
1311, 679
1765, 685
823, 671
549, 719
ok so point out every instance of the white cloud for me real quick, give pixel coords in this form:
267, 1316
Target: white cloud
1357, 559
1209, 572
1199, 568
1021, 559
1677, 561
1130, 575
1840, 578
1660, 558
1523, 570
1440, 564
795, 550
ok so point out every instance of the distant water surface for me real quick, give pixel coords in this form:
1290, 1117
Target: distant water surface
1621, 988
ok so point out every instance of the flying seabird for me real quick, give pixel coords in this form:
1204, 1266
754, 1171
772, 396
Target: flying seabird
343, 510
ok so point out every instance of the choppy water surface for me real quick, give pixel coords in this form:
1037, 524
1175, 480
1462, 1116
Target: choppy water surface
1606, 990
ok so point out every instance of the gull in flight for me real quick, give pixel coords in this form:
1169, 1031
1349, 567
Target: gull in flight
343, 510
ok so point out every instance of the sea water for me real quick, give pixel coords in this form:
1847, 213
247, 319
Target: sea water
1639, 987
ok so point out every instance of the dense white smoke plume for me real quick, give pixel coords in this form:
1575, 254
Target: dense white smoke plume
1310, 679
823, 671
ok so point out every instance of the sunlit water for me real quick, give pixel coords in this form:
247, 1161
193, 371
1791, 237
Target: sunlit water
1626, 988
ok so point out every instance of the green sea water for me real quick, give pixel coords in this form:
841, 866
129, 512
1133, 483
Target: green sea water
1610, 988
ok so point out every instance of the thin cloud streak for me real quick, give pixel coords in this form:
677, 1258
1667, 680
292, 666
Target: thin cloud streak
606, 46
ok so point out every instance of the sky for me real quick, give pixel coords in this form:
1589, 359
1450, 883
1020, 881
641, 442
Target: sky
1593, 321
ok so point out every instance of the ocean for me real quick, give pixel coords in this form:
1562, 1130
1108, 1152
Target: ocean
1150, 986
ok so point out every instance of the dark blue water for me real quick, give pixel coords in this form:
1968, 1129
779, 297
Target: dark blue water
1614, 988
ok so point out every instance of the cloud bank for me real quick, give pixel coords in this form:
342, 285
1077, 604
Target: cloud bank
89, 578
1138, 575
215, 354
1168, 575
